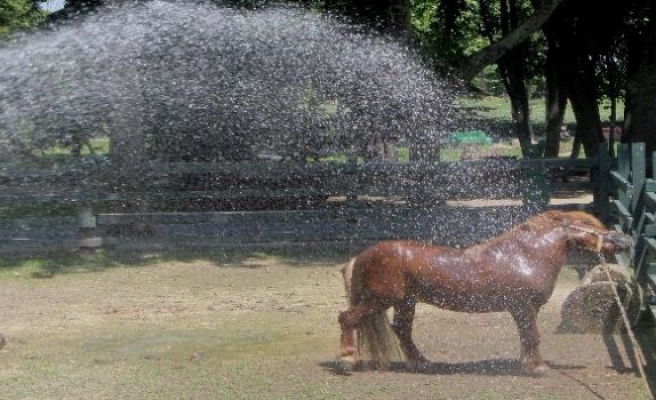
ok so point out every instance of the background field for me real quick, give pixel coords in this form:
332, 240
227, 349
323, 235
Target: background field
259, 325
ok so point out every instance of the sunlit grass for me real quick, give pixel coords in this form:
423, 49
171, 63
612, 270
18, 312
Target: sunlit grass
73, 262
498, 108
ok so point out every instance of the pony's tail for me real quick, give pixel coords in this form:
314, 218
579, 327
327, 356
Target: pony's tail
374, 331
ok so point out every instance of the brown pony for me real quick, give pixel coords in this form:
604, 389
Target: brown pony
514, 272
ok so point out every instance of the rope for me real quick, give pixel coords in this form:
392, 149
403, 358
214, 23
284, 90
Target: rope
600, 235
637, 351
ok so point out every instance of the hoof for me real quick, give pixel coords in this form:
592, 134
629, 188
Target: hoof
540, 369
345, 365
418, 366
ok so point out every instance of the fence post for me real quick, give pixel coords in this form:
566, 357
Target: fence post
352, 170
86, 220
638, 177
537, 192
624, 169
601, 195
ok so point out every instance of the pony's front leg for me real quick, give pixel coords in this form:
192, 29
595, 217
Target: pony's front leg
526, 319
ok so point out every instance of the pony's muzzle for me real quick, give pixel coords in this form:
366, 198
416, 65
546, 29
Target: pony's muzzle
620, 240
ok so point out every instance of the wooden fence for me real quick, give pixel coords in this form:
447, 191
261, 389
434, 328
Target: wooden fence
298, 202
634, 203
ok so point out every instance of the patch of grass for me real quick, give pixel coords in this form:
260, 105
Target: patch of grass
498, 108
22, 267
12, 267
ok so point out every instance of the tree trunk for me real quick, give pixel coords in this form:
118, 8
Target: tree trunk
640, 110
511, 68
577, 54
519, 100
586, 110
556, 101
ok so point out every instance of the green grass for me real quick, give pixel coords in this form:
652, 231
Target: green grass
66, 263
498, 108
60, 155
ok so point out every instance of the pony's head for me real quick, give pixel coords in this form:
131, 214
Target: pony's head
587, 231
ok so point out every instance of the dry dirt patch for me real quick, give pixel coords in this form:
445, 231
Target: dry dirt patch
265, 328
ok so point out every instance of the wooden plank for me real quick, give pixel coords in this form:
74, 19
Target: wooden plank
70, 197
651, 245
650, 230
649, 199
625, 215
572, 186
638, 174
73, 197
624, 171
652, 279
623, 259
652, 309
601, 179
226, 217
621, 183
278, 169
297, 217
624, 159
650, 185
651, 274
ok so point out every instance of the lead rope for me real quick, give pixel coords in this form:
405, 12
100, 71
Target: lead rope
637, 351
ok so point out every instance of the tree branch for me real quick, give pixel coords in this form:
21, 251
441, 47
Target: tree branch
476, 62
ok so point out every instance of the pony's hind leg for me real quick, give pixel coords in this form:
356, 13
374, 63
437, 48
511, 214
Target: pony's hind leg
404, 314
348, 321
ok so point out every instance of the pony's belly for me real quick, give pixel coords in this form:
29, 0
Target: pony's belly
467, 303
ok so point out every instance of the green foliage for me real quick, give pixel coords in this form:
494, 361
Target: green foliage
18, 15
447, 31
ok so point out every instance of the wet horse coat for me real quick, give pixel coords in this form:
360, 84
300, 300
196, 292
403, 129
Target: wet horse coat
514, 272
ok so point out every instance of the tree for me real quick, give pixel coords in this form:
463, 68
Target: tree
512, 67
511, 40
471, 34
640, 110
587, 59
18, 15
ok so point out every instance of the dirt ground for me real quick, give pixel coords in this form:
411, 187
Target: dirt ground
262, 326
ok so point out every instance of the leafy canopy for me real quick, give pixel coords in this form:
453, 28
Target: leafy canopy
18, 15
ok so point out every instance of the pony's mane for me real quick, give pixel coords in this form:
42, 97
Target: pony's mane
573, 216
547, 219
